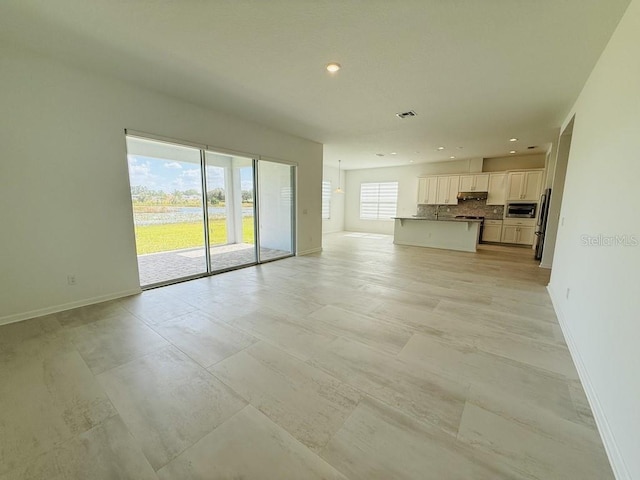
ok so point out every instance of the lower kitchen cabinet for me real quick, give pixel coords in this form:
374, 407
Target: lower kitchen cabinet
492, 231
520, 235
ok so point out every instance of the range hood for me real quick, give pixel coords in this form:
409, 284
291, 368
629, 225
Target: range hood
472, 195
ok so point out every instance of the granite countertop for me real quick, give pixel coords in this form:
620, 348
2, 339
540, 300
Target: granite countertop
440, 219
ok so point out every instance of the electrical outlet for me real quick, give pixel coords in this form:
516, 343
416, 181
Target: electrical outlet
568, 292
71, 279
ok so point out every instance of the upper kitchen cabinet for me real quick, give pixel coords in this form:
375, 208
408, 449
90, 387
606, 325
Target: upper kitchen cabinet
474, 183
524, 185
427, 190
497, 189
447, 190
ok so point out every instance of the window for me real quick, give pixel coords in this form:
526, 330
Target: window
326, 200
378, 201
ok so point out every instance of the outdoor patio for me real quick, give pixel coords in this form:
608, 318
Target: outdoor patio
165, 266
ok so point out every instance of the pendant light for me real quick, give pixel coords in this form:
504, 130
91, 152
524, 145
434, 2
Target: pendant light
339, 189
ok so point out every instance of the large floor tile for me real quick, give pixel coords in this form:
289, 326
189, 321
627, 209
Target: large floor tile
491, 371
384, 336
289, 333
156, 306
90, 313
168, 402
537, 453
47, 392
204, 339
106, 452
379, 443
417, 392
249, 446
305, 401
507, 321
108, 343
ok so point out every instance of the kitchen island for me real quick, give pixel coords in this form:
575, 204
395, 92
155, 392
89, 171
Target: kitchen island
444, 232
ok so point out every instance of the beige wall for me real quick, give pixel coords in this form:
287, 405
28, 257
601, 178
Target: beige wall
336, 221
514, 162
64, 183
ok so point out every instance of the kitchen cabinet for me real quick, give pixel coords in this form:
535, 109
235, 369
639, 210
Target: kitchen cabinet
497, 189
427, 190
492, 231
524, 185
520, 232
447, 190
474, 183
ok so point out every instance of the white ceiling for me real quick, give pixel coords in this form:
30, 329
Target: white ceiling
477, 72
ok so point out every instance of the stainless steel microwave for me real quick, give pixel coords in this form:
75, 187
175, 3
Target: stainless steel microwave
521, 210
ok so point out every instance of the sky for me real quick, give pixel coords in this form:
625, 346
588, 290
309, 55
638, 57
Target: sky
168, 175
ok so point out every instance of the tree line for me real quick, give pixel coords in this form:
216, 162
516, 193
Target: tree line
215, 196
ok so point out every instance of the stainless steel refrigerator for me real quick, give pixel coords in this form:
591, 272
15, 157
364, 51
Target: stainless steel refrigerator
545, 201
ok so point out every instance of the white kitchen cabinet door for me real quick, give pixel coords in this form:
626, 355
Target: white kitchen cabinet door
467, 183
492, 233
482, 183
474, 183
525, 235
454, 189
427, 190
531, 186
510, 234
497, 189
515, 183
442, 196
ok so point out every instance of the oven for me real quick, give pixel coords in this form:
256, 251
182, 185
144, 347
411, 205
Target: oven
521, 210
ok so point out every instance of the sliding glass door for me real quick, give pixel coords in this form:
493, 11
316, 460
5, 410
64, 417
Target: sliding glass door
166, 193
195, 210
230, 211
276, 208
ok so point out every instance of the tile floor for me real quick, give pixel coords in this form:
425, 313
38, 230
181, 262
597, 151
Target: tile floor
367, 361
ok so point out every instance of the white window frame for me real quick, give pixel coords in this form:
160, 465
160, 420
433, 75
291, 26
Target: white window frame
378, 200
326, 199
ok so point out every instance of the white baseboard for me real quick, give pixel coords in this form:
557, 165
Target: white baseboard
310, 251
17, 317
616, 459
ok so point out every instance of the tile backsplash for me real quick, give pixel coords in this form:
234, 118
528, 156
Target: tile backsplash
465, 207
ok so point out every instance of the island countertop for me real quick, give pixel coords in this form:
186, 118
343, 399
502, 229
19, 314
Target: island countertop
449, 233
440, 219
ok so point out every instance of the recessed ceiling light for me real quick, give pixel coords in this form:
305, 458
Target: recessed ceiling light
512, 151
394, 153
410, 161
440, 148
452, 157
333, 67
514, 139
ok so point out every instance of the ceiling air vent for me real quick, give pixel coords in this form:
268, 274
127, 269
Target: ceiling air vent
410, 113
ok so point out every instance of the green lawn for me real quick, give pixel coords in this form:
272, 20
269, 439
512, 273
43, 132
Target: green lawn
176, 236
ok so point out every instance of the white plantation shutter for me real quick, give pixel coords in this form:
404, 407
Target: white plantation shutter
326, 200
378, 201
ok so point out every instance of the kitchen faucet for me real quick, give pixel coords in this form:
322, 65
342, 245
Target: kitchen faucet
437, 208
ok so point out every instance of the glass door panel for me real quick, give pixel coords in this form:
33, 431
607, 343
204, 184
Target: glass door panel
230, 201
166, 192
275, 209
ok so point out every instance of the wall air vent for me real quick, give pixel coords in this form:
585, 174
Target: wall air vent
410, 113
